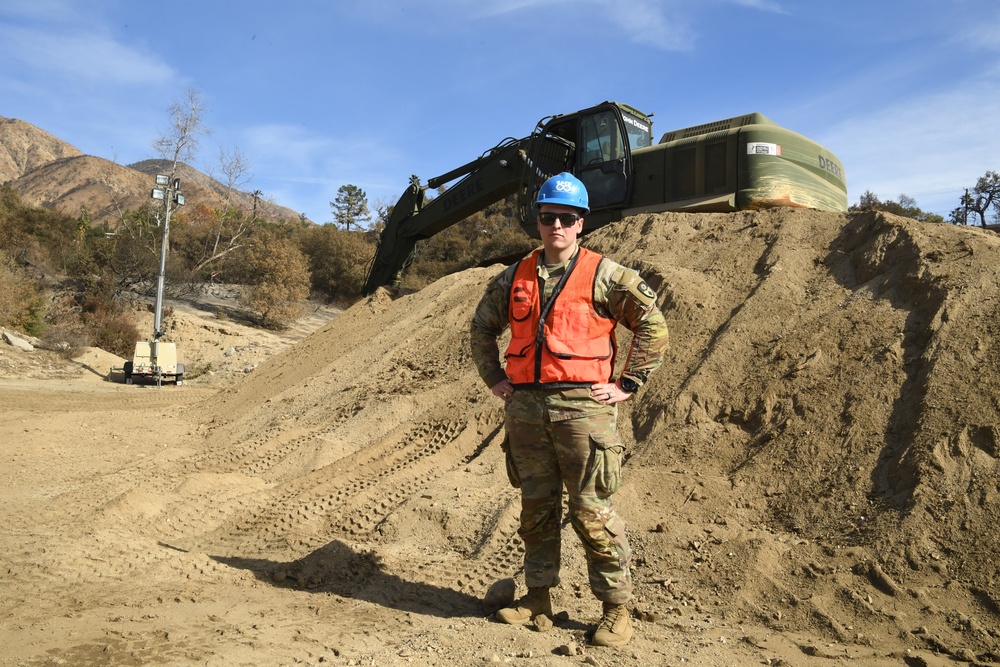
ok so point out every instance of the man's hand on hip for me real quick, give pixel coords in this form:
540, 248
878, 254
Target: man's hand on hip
503, 389
609, 393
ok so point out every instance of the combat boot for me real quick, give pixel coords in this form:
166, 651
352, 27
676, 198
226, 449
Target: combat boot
536, 602
615, 628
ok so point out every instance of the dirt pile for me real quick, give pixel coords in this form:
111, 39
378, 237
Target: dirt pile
812, 476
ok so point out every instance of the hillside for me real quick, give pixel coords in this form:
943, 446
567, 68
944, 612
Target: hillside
812, 477
24, 147
52, 174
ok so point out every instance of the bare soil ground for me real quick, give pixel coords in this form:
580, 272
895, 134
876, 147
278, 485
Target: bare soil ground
812, 476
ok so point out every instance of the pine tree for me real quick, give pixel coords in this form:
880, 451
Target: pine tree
350, 207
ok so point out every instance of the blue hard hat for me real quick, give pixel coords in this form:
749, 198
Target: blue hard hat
565, 189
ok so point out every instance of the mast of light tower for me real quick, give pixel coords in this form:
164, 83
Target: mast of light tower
170, 194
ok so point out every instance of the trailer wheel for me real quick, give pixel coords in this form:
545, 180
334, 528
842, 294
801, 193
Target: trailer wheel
127, 368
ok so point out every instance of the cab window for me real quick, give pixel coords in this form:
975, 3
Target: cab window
601, 139
640, 134
602, 157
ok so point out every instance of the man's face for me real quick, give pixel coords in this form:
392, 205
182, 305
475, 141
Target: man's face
560, 235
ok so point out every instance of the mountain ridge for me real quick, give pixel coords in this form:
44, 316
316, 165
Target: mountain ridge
51, 173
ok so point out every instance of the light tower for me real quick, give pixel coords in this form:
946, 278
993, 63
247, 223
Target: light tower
170, 193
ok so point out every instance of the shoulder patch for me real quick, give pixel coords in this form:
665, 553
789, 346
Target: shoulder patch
645, 290
642, 293
629, 281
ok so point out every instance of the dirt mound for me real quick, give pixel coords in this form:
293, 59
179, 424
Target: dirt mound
812, 476
827, 372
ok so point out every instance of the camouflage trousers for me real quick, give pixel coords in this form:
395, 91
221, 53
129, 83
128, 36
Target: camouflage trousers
564, 439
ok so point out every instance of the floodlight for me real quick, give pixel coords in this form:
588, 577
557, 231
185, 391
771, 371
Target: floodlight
177, 184
162, 179
179, 199
159, 193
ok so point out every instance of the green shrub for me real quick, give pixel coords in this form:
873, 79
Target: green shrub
22, 304
67, 338
277, 277
113, 332
338, 262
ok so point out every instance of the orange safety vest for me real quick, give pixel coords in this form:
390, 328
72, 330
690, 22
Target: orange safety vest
565, 342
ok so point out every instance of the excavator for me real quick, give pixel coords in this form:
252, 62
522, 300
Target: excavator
741, 163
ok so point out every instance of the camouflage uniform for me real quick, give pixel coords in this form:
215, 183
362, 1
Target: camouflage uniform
564, 438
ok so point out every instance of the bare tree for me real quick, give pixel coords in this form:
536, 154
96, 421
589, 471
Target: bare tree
178, 144
232, 224
382, 206
983, 197
235, 168
187, 124
118, 191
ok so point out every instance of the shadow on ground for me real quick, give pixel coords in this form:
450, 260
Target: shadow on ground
338, 569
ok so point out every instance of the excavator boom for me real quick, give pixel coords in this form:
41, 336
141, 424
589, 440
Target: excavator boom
496, 174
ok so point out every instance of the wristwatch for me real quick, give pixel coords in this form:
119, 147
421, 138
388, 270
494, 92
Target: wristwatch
628, 384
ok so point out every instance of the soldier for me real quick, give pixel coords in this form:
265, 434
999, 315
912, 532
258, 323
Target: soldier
562, 303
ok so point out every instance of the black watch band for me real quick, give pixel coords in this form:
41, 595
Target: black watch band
629, 385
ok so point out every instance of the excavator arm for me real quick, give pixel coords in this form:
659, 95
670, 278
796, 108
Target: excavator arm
499, 172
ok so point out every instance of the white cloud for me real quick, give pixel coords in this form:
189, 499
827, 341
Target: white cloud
502, 7
983, 35
649, 22
291, 155
662, 24
49, 11
667, 25
285, 147
80, 55
762, 5
929, 147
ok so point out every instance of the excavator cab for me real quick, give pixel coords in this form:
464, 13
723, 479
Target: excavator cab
601, 141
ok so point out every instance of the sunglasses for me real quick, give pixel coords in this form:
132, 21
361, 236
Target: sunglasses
566, 219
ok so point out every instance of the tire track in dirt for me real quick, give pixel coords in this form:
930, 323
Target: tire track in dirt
500, 555
37, 399
348, 497
483, 542
275, 446
348, 501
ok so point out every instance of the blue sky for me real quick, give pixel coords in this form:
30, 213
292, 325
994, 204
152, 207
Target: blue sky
317, 94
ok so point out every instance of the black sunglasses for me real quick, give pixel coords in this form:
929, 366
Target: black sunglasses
566, 219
